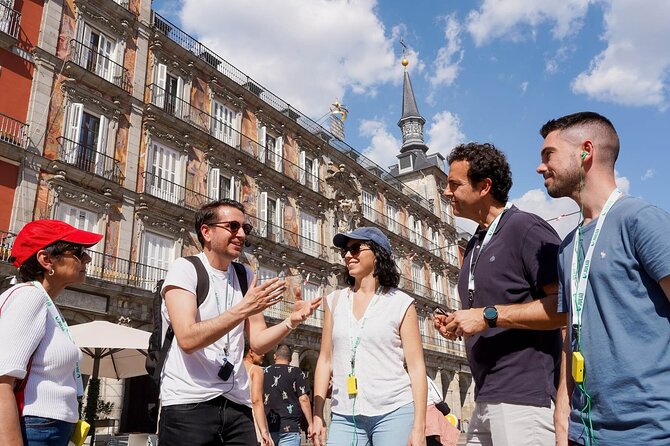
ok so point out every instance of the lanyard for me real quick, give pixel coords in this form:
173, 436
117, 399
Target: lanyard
227, 302
487, 239
353, 343
579, 279
62, 324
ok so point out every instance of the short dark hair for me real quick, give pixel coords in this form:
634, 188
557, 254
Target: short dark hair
31, 268
283, 351
602, 125
207, 213
386, 269
485, 162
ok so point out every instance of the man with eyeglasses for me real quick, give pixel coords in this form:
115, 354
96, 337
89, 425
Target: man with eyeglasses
508, 289
205, 394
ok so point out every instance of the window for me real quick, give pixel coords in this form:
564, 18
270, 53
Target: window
162, 179
156, 254
311, 291
168, 90
98, 54
8, 18
220, 185
417, 275
412, 234
273, 149
446, 214
225, 124
265, 274
392, 219
434, 241
437, 287
309, 171
85, 140
418, 231
271, 215
310, 234
454, 301
368, 205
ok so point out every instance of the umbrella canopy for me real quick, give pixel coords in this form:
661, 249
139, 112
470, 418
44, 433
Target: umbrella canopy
111, 350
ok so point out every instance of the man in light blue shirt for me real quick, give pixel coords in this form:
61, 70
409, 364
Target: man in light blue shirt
615, 285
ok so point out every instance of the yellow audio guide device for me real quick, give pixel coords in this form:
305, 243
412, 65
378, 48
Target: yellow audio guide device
352, 385
578, 367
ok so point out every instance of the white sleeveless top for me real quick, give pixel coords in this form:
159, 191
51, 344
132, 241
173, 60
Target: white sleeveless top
383, 383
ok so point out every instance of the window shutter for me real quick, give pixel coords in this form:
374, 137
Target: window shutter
213, 183
303, 159
73, 130
262, 142
161, 79
315, 175
279, 151
263, 214
233, 189
182, 99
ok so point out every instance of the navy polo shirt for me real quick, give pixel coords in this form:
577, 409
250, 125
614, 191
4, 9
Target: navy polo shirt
513, 365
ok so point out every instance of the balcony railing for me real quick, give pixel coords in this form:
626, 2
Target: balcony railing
423, 290
223, 131
12, 131
442, 345
190, 44
92, 59
283, 309
88, 159
123, 3
283, 236
172, 192
9, 21
103, 266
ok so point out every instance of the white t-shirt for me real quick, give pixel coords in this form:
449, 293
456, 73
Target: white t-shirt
26, 327
193, 378
383, 383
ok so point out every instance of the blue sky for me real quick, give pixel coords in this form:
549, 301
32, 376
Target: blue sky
487, 71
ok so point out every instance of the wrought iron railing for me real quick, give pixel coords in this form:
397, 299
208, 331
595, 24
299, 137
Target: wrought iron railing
89, 159
93, 60
123, 3
192, 45
9, 20
12, 131
223, 131
283, 236
160, 187
419, 289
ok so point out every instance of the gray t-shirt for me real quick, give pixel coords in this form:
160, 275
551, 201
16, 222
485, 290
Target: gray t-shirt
625, 326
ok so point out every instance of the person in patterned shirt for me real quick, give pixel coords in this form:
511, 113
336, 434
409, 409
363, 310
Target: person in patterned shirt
286, 399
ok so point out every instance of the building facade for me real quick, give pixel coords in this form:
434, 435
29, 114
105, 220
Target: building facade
136, 125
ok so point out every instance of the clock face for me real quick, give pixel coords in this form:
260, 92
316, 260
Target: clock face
490, 313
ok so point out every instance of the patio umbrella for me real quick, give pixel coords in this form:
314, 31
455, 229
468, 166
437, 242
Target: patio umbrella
111, 350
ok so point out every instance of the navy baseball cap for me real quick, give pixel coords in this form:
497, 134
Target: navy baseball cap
364, 233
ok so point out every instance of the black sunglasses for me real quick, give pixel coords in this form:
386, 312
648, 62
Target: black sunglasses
233, 226
77, 251
354, 249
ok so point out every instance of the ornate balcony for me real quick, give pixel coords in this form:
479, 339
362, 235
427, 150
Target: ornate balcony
88, 159
171, 192
91, 60
13, 132
9, 26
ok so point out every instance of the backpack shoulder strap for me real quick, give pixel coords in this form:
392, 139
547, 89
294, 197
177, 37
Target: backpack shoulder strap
241, 272
202, 288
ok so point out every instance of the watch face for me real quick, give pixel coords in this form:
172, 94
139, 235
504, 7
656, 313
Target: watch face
490, 313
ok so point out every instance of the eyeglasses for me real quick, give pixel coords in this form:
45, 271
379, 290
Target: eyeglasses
354, 249
233, 226
79, 252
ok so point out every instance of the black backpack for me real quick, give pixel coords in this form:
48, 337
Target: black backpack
156, 353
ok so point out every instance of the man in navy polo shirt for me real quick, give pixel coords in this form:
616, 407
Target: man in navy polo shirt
508, 289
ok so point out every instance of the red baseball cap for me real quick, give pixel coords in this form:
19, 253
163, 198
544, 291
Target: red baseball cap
39, 234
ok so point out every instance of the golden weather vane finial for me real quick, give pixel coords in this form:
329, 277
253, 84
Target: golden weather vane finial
404, 60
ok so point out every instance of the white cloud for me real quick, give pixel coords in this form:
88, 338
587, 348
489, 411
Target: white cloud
308, 53
446, 65
633, 69
524, 87
648, 174
444, 132
515, 19
622, 183
553, 63
555, 210
383, 146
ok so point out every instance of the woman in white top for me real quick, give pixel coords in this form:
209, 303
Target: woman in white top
369, 331
39, 379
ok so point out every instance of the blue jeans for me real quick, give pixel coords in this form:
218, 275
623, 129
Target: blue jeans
391, 429
286, 438
38, 431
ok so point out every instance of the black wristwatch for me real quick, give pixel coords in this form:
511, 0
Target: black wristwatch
491, 315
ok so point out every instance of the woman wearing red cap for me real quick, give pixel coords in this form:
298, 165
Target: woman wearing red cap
369, 331
39, 362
